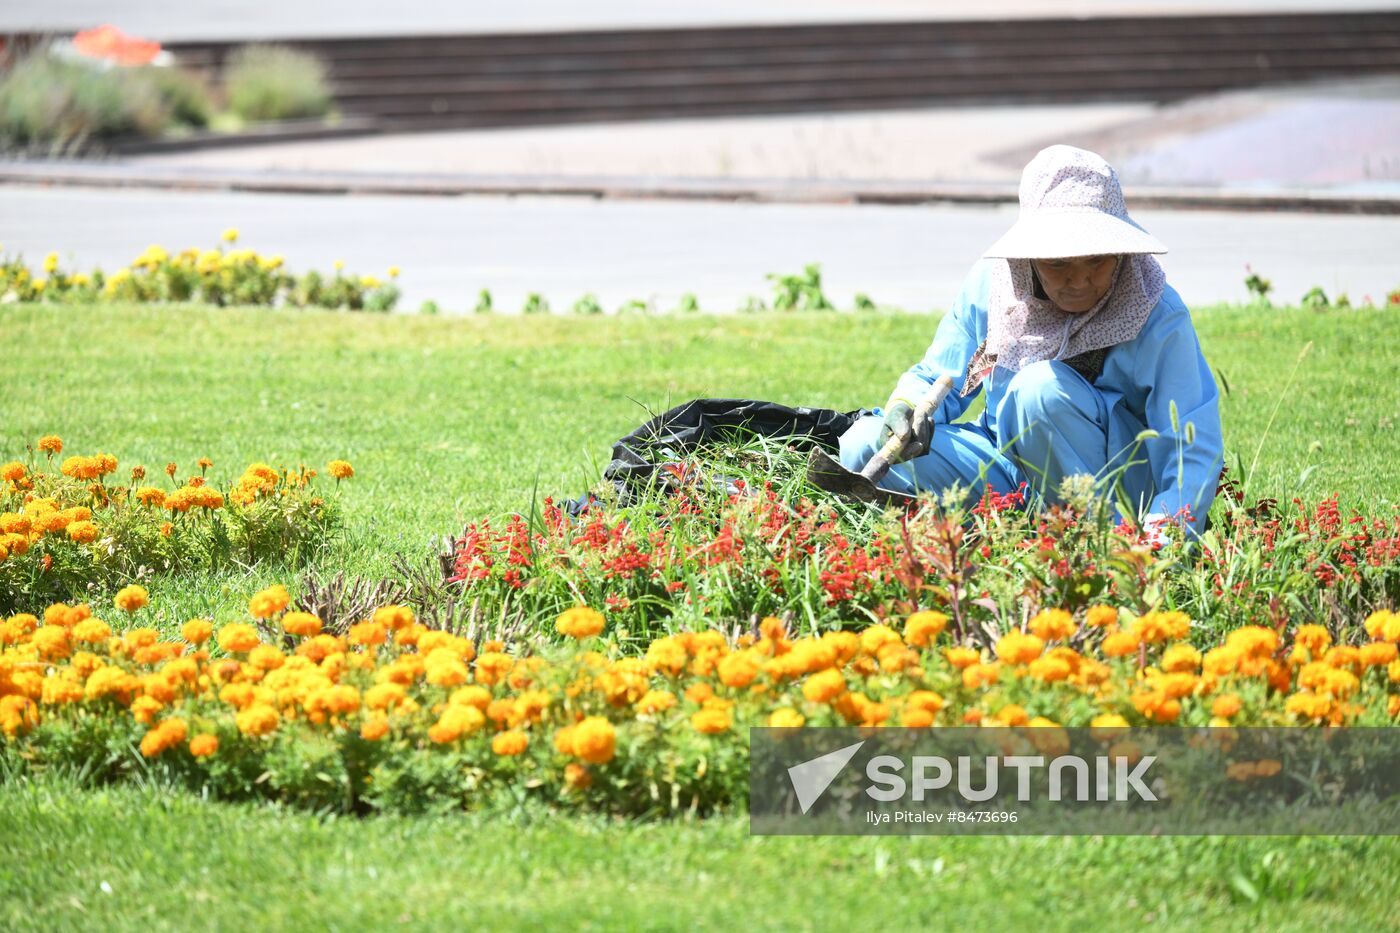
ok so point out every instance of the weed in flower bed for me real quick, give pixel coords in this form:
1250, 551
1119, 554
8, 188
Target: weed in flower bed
67, 528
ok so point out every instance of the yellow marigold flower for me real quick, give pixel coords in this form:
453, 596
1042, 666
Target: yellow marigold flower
238, 637
450, 672
257, 719
1052, 625
51, 262
454, 722
13, 471
786, 717
1226, 706
1181, 658
50, 642
875, 637
83, 532
711, 721
980, 675
667, 655
340, 469
1383, 626
594, 740
1307, 706
131, 598
369, 281
493, 666
303, 624
266, 657
1157, 627
921, 628
1315, 638
656, 701
339, 264
204, 745
230, 235
579, 622
92, 630
269, 602
197, 631
1107, 726
1019, 648
509, 743
170, 733
151, 496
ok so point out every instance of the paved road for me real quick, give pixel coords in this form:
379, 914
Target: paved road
235, 19
914, 257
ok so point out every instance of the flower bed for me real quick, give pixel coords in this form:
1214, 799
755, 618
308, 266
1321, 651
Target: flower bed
65, 527
394, 716
213, 276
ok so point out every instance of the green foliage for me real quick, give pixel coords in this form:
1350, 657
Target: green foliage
688, 304
588, 304
483, 302
272, 82
1315, 299
535, 303
57, 106
429, 307
863, 302
1259, 287
802, 292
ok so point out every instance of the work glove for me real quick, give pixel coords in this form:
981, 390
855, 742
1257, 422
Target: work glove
899, 422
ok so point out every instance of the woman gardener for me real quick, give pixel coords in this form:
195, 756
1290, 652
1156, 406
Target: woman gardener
1088, 359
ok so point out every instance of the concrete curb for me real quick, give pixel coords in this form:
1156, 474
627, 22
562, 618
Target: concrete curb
833, 191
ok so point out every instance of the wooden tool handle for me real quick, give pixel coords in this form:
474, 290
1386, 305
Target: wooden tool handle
880, 463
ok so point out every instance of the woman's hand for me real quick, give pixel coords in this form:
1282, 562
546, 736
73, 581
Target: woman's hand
899, 422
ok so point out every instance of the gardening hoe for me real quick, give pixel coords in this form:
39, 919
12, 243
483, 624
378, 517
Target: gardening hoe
826, 473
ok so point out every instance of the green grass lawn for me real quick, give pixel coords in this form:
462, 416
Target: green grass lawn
447, 420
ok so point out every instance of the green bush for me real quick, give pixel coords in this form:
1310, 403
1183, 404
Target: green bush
271, 82
62, 106
186, 93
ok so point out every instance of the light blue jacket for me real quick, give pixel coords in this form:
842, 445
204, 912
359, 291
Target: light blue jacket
1143, 380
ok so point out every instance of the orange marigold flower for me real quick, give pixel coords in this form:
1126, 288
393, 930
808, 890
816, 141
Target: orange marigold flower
594, 740
170, 469
785, 717
1181, 658
369, 634
92, 630
1019, 648
374, 728
1120, 644
204, 745
824, 686
509, 743
980, 675
738, 670
197, 631
1157, 627
1052, 625
303, 624
922, 628
394, 618
165, 529
131, 598
170, 733
1383, 625
269, 602
1226, 706
1378, 653
13, 471
579, 622
656, 701
711, 721
257, 719
1100, 616
51, 443
238, 637
577, 776
340, 469
962, 657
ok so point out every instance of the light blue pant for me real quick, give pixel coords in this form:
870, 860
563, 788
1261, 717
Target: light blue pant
1045, 423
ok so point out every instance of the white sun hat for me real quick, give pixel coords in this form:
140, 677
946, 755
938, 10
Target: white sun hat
1071, 205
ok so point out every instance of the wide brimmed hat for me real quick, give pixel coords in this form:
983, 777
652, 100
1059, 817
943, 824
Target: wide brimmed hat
1071, 205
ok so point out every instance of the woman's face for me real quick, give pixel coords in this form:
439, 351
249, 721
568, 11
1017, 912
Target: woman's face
1076, 285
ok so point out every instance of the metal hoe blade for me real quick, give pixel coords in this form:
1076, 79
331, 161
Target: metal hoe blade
826, 473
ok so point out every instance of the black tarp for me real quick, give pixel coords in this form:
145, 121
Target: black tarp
675, 434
